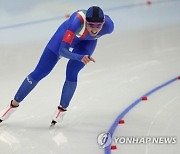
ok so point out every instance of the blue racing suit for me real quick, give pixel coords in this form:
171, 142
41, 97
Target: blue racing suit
71, 34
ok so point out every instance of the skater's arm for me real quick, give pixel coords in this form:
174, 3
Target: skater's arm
68, 38
67, 54
75, 24
64, 51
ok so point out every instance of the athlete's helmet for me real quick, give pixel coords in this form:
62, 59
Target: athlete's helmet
95, 14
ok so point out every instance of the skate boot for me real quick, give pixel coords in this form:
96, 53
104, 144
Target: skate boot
4, 114
58, 116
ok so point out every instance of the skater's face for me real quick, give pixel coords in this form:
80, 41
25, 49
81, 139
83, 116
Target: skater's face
93, 27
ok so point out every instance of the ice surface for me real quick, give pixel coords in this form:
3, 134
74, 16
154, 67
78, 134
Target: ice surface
142, 53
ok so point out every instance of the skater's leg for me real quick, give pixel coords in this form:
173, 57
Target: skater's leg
70, 84
73, 68
43, 68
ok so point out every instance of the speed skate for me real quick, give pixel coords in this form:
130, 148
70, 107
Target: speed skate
58, 116
6, 113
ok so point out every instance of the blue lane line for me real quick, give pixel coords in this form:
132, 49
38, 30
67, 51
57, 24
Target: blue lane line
138, 5
31, 22
113, 127
62, 17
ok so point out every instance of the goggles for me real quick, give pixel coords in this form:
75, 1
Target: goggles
95, 24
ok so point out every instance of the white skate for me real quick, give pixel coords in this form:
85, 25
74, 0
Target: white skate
7, 112
58, 116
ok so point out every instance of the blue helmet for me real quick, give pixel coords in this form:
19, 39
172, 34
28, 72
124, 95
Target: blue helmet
95, 14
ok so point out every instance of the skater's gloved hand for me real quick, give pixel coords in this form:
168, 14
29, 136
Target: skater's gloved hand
86, 59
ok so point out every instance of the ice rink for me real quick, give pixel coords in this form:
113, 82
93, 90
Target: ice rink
140, 58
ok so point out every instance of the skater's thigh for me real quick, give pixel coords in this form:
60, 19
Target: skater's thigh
46, 63
85, 47
72, 70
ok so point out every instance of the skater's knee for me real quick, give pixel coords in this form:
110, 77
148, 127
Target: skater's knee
37, 75
31, 79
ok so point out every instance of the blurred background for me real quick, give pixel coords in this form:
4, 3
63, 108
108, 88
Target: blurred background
142, 53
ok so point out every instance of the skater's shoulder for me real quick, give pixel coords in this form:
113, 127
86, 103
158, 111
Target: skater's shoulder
108, 25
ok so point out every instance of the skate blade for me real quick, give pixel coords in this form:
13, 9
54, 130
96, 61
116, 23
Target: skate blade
53, 123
